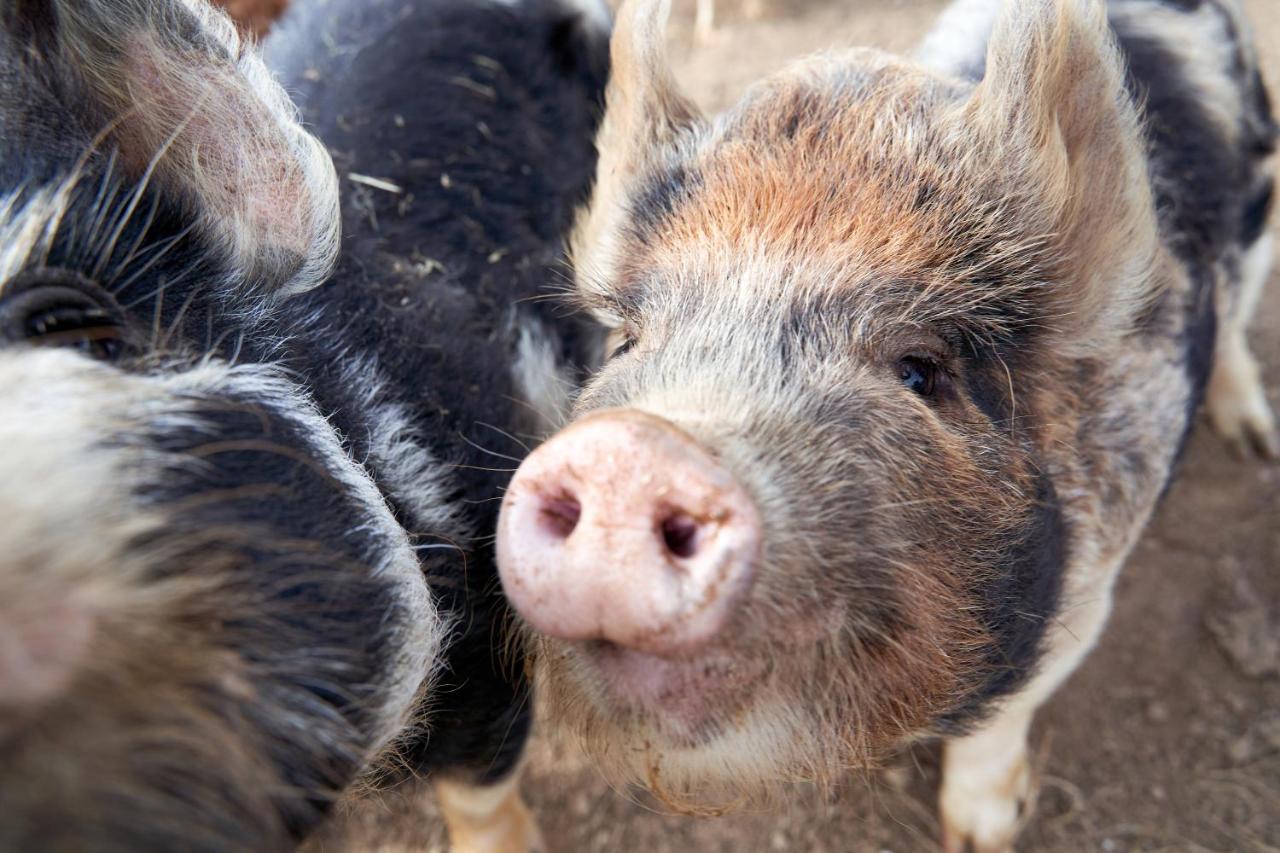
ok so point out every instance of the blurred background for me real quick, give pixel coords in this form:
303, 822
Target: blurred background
1168, 738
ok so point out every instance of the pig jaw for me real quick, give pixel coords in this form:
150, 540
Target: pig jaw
853, 634
698, 733
687, 704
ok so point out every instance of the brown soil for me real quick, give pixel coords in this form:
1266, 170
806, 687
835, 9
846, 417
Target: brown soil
1168, 738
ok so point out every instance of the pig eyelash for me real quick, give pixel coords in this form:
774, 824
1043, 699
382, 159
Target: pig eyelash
612, 304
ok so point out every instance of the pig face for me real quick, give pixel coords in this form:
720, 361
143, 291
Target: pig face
179, 519
810, 509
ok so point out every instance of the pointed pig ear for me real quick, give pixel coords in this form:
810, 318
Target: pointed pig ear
195, 109
644, 112
1055, 106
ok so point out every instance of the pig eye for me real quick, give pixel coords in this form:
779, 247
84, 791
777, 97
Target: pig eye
621, 344
57, 308
919, 374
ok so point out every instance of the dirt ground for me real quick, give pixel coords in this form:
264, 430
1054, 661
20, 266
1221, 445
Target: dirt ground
1168, 738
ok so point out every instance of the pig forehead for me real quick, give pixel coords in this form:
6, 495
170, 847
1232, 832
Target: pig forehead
852, 181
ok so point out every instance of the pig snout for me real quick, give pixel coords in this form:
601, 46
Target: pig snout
623, 528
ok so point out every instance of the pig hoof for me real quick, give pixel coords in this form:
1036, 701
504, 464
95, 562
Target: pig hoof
982, 812
488, 819
512, 833
1245, 422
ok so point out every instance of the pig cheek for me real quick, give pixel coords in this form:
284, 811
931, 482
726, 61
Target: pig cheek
41, 652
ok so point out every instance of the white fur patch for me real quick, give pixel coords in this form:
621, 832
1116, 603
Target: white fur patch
477, 802
541, 379
1255, 271
986, 779
957, 42
594, 14
488, 819
68, 511
398, 453
1237, 397
1202, 39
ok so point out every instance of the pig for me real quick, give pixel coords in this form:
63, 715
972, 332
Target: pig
249, 469
904, 353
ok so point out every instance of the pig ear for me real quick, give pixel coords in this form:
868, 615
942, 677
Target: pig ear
1060, 122
644, 116
194, 109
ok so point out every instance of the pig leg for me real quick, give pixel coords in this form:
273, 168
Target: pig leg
1237, 400
986, 776
986, 782
488, 818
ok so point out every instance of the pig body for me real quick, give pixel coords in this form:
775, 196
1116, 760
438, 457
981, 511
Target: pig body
245, 477
929, 337
450, 253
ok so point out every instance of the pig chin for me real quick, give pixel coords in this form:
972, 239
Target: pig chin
686, 702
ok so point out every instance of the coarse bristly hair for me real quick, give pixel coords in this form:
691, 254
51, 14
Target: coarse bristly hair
189, 100
1003, 220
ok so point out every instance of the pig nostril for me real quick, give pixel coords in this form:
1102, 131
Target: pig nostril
560, 515
680, 535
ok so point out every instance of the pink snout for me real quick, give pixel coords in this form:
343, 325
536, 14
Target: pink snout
622, 528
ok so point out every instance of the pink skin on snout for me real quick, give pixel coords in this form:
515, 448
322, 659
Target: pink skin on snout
622, 528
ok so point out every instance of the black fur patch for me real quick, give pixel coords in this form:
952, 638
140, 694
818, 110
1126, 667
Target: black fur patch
1266, 132
1018, 599
991, 365
1257, 211
1199, 176
313, 624
659, 198
1207, 188
1200, 335
987, 387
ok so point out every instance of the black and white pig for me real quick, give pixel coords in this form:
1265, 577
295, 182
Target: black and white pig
905, 355
249, 470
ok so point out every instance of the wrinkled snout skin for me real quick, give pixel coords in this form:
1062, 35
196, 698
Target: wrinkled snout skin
934, 327
623, 529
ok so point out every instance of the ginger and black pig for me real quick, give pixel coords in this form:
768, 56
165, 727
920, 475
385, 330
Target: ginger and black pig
904, 355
